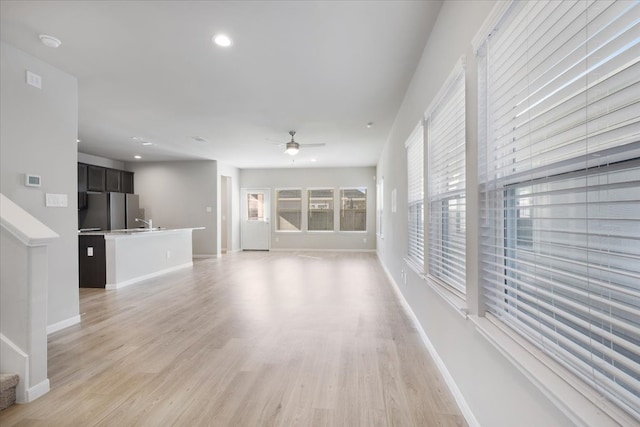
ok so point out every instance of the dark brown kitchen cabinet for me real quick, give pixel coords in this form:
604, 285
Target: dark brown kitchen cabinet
92, 261
113, 180
82, 177
126, 183
95, 178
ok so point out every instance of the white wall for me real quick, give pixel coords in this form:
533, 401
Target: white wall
496, 392
233, 174
176, 195
317, 177
38, 132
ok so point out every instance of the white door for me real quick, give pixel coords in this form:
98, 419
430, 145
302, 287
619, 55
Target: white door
256, 231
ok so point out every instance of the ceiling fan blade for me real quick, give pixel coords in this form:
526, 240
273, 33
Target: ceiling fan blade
322, 144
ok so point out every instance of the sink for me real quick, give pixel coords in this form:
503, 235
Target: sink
136, 230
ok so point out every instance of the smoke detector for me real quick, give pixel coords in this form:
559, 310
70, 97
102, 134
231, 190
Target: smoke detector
50, 41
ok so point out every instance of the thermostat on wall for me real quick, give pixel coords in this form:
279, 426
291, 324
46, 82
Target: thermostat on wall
32, 180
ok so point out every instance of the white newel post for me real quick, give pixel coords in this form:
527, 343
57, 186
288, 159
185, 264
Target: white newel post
23, 299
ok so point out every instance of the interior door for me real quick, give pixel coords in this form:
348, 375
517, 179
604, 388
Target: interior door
256, 231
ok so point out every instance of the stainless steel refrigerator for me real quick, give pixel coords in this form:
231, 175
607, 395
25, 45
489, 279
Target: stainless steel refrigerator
109, 211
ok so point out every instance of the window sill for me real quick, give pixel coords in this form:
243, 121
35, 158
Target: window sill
415, 267
577, 400
458, 303
288, 231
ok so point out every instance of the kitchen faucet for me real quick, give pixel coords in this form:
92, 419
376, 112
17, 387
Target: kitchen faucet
148, 222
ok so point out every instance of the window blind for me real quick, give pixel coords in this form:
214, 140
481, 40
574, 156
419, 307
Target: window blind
446, 186
415, 191
560, 186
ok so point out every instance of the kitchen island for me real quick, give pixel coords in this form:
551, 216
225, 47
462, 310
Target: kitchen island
117, 258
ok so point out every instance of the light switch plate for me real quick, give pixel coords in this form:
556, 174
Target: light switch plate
56, 200
89, 251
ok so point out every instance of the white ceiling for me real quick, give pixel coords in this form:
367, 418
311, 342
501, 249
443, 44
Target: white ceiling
149, 69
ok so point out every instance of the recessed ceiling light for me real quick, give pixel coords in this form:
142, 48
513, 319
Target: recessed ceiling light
50, 41
78, 140
137, 157
147, 143
222, 40
313, 160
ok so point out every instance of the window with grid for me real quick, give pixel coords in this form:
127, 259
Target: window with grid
415, 198
560, 186
446, 185
289, 210
353, 209
320, 210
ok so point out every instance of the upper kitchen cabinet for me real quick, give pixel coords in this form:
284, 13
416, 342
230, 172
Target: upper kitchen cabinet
96, 178
126, 182
82, 177
113, 181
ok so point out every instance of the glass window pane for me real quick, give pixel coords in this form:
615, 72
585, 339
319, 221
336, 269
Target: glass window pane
321, 210
353, 209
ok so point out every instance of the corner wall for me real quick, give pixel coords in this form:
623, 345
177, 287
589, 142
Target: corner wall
177, 194
495, 391
38, 132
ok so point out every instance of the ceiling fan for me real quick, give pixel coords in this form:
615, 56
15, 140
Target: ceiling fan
292, 147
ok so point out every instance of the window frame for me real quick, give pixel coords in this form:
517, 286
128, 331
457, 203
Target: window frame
496, 330
414, 146
445, 94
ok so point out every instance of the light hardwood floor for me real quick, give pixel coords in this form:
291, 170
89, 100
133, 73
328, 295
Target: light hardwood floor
251, 339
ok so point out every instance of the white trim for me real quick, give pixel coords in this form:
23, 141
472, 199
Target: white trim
415, 267
124, 283
579, 402
24, 226
204, 256
448, 379
449, 296
458, 69
320, 250
412, 139
55, 327
14, 359
37, 390
489, 24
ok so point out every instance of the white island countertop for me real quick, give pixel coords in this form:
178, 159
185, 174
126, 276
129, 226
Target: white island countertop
128, 232
137, 254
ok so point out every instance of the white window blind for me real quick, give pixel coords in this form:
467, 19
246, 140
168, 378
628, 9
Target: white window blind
560, 186
446, 185
415, 208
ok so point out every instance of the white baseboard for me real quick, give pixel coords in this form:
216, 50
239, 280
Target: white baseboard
37, 390
110, 286
448, 379
63, 324
321, 250
204, 256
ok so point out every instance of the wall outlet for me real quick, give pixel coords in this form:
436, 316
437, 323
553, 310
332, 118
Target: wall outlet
364, 240
277, 239
168, 254
89, 251
209, 209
